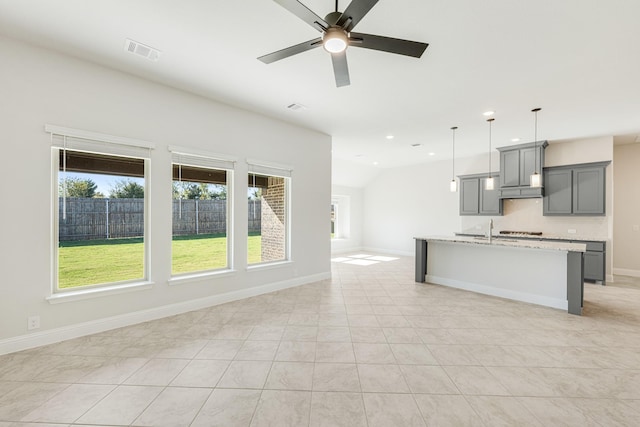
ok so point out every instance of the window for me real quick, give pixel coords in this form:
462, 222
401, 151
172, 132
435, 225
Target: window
201, 214
334, 220
101, 210
268, 216
340, 211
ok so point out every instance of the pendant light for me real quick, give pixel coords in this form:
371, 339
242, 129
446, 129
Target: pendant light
536, 178
453, 185
489, 184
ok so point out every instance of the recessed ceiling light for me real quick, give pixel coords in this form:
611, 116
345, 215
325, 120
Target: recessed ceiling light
389, 136
432, 154
488, 113
375, 163
515, 139
416, 145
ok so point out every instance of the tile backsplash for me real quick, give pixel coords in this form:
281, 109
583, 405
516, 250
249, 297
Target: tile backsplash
526, 215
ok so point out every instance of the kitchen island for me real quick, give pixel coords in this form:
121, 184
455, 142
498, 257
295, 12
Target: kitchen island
538, 272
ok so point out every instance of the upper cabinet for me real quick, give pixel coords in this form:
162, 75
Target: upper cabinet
575, 189
558, 194
517, 164
475, 200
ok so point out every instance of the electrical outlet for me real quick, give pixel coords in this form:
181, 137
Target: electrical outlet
571, 231
33, 322
636, 227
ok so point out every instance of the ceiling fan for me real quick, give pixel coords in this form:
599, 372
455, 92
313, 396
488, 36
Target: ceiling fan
337, 35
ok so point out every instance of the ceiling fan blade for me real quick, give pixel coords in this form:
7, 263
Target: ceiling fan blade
340, 68
356, 10
290, 51
304, 13
388, 44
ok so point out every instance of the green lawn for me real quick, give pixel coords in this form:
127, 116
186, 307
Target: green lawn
94, 262
119, 259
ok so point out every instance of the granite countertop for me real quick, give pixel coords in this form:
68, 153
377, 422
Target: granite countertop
534, 237
514, 243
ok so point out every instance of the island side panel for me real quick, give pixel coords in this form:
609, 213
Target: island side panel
421, 260
575, 282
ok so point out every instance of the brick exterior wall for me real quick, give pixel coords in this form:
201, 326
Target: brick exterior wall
273, 224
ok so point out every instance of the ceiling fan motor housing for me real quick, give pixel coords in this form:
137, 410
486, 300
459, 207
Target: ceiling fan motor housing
332, 18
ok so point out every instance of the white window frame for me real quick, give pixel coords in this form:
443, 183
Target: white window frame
336, 222
80, 140
342, 223
205, 159
262, 167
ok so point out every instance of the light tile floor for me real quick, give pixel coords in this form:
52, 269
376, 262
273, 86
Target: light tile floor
368, 348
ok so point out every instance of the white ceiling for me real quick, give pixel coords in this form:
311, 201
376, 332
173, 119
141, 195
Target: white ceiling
579, 60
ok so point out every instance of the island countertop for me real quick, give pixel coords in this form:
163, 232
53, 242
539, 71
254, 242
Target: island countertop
514, 243
499, 235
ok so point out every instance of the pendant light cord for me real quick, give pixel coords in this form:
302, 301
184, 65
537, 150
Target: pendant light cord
490, 122
535, 140
453, 154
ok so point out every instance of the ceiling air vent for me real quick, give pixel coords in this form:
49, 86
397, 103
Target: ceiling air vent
296, 107
143, 50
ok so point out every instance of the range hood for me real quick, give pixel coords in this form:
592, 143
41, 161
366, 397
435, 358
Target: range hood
517, 163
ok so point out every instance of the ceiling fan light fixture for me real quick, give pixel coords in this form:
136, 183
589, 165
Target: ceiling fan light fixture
335, 40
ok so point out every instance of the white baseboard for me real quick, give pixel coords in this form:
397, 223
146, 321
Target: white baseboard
346, 250
24, 342
388, 251
626, 272
499, 292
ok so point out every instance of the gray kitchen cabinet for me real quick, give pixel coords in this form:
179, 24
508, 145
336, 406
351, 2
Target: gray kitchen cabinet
469, 196
489, 203
475, 200
588, 191
575, 190
594, 266
510, 168
529, 164
518, 162
558, 192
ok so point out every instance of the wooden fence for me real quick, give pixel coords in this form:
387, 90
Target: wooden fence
90, 219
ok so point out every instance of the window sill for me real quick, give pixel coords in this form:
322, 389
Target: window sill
83, 294
269, 265
188, 278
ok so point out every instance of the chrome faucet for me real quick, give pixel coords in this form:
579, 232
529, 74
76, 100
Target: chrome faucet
490, 229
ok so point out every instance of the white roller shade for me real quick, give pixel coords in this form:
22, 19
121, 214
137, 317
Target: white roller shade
185, 156
267, 168
93, 142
